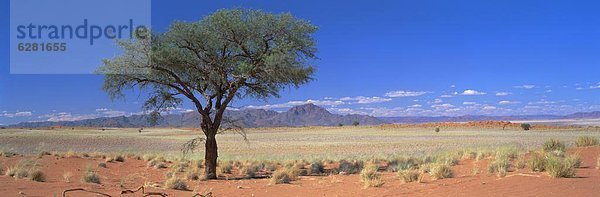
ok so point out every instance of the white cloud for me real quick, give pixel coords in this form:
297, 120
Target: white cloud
366, 100
469, 103
442, 106
489, 108
508, 102
345, 111
435, 101
416, 106
294, 103
16, 114
548, 91
542, 102
502, 93
595, 87
452, 86
101, 110
525, 86
472, 92
401, 93
446, 96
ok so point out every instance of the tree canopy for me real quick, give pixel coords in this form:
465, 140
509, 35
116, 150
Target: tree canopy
228, 54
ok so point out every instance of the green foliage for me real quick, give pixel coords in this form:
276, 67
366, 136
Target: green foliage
554, 145
526, 126
499, 166
316, 168
537, 162
584, 141
355, 123
437, 129
558, 167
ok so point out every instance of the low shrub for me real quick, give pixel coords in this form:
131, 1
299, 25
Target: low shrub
347, 167
526, 126
537, 162
558, 167
316, 168
408, 176
102, 165
441, 171
37, 175
224, 168
284, 176
553, 145
584, 141
91, 177
370, 177
499, 166
176, 183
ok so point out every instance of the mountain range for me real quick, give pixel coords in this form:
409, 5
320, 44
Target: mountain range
301, 115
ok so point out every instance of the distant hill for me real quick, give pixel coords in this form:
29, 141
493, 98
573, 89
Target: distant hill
302, 115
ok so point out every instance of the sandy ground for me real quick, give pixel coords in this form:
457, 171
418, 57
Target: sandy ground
133, 173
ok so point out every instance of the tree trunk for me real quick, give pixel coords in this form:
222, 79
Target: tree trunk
210, 156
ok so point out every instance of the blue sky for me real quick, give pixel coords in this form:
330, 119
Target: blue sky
382, 58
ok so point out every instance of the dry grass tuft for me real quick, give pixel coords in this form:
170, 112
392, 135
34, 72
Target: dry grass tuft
284, 176
90, 176
176, 183
37, 175
441, 171
584, 141
408, 176
370, 177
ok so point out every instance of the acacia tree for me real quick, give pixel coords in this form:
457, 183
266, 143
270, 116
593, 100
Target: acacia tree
226, 55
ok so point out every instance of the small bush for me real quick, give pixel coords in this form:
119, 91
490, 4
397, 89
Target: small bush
119, 158
225, 168
553, 145
355, 123
560, 168
437, 129
526, 126
584, 141
347, 167
521, 162
91, 177
408, 176
499, 166
176, 183
102, 165
249, 171
574, 160
148, 157
37, 175
441, 171
537, 162
43, 153
284, 176
160, 165
316, 168
370, 177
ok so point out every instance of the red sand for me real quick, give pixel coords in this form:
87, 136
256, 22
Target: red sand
133, 173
